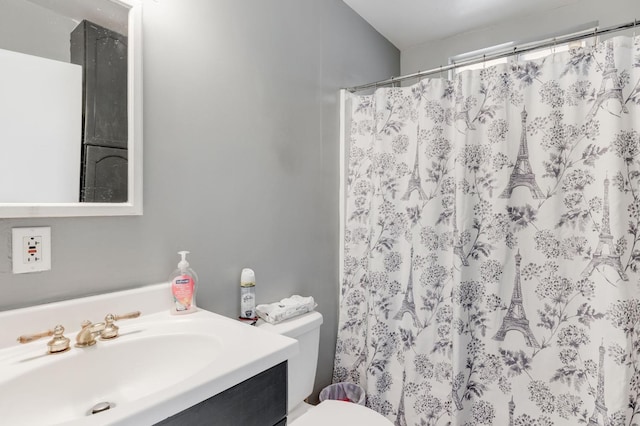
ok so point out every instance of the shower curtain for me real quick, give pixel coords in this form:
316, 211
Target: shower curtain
492, 244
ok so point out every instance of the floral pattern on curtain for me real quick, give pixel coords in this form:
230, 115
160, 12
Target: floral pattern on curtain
492, 244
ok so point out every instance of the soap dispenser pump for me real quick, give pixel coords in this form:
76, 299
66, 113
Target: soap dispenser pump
183, 287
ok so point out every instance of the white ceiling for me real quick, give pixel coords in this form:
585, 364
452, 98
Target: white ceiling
107, 13
407, 23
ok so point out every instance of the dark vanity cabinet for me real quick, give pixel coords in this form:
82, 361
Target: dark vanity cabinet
258, 401
102, 53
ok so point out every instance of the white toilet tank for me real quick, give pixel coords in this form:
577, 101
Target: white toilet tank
302, 367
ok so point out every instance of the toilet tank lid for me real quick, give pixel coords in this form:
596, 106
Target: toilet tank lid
294, 327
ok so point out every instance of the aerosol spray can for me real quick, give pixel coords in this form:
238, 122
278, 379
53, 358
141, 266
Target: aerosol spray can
247, 294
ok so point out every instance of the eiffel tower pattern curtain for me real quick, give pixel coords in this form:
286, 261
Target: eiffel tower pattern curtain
492, 244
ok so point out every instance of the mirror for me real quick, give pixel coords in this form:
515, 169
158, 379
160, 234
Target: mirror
70, 120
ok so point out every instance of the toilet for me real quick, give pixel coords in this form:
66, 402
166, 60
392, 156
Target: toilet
302, 372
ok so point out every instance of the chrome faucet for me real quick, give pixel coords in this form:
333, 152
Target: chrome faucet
87, 335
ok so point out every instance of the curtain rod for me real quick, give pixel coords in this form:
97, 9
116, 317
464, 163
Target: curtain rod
516, 50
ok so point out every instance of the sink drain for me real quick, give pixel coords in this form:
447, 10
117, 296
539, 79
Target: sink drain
100, 407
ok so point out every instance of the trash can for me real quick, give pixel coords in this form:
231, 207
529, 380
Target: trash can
344, 391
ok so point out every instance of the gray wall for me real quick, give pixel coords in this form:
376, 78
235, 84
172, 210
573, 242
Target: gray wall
436, 53
241, 124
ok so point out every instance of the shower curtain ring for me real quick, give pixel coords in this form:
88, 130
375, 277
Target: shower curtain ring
595, 37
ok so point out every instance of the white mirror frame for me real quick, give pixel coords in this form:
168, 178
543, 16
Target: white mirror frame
134, 109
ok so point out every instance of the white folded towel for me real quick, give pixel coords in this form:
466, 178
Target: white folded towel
287, 308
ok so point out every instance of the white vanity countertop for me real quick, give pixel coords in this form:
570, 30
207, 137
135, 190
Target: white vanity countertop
238, 351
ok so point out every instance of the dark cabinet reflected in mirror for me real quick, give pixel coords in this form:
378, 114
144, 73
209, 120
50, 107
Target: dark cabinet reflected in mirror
64, 133
102, 53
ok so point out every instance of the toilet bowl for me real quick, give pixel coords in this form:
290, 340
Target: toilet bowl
340, 413
302, 371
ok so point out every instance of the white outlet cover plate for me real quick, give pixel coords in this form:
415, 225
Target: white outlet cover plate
17, 244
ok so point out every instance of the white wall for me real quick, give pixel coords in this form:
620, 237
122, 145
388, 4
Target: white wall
241, 125
40, 129
533, 27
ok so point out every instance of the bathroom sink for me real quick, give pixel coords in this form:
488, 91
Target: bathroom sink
159, 365
66, 386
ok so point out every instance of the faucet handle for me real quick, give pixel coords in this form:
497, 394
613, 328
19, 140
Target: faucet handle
33, 337
58, 344
128, 315
110, 329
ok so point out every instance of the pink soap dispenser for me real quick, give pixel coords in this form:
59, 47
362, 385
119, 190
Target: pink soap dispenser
183, 287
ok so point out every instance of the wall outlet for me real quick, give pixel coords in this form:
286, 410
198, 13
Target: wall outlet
31, 249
